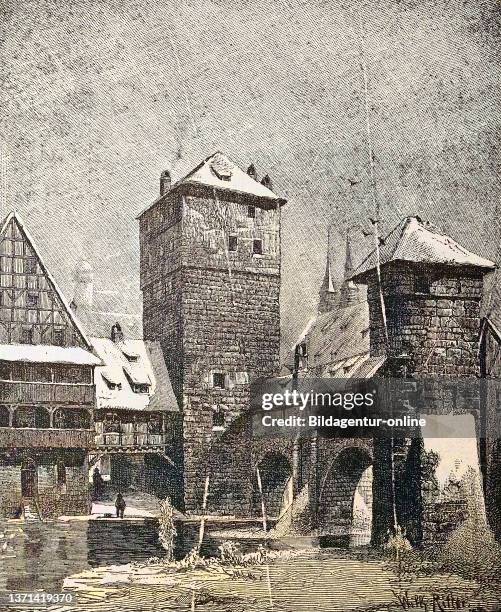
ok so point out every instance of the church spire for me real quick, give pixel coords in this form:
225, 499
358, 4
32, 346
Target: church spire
350, 292
328, 294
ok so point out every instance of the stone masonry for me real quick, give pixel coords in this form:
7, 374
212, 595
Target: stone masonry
212, 299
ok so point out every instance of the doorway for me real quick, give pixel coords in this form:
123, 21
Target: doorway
28, 479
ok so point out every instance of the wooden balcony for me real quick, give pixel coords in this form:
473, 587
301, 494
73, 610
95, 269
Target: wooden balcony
136, 442
50, 393
17, 437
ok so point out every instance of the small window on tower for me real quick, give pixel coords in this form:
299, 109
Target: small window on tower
232, 243
218, 380
251, 212
421, 284
257, 247
32, 300
217, 419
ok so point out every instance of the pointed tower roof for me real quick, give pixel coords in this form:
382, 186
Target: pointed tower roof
414, 241
219, 172
350, 292
15, 218
328, 294
348, 261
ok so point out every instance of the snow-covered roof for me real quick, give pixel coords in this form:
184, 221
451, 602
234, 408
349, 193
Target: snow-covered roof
219, 172
336, 342
414, 241
127, 363
44, 353
14, 215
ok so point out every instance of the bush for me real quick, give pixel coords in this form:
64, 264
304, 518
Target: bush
166, 528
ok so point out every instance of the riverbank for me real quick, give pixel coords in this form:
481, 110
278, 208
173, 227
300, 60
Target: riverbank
291, 581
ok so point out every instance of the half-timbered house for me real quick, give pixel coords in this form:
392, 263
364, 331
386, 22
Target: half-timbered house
47, 391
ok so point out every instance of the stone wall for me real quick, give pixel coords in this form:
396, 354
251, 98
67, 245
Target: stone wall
54, 499
441, 519
433, 315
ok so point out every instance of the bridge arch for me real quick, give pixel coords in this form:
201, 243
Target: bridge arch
344, 512
275, 472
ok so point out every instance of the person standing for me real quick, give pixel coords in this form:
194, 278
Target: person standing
120, 505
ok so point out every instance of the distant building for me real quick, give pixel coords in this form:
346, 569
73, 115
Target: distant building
136, 414
210, 276
47, 391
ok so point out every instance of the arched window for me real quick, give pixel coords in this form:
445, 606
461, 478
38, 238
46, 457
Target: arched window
33, 417
71, 418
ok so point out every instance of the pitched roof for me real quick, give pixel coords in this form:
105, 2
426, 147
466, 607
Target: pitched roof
337, 340
146, 368
16, 218
220, 172
414, 241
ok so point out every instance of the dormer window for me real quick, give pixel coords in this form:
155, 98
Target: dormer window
111, 384
222, 173
138, 385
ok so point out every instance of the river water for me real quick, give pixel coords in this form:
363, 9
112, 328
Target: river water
38, 556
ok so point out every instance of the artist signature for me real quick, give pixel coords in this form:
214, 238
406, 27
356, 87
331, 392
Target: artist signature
434, 602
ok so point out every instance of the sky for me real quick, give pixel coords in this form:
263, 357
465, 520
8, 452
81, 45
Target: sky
98, 97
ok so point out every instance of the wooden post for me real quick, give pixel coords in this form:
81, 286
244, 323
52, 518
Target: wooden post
263, 508
204, 508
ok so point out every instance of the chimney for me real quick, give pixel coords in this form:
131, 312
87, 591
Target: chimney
117, 334
165, 182
252, 172
266, 181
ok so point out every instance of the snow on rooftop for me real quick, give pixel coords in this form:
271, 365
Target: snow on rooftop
41, 353
114, 378
412, 240
219, 172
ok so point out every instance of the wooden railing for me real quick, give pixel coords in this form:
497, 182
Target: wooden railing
18, 437
40, 393
129, 440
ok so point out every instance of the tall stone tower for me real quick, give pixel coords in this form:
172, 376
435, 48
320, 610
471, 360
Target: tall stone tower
210, 277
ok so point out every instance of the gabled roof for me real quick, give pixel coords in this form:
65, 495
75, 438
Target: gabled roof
15, 217
219, 172
414, 241
147, 368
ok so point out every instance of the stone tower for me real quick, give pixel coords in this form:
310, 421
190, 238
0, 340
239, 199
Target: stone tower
424, 318
431, 288
210, 277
